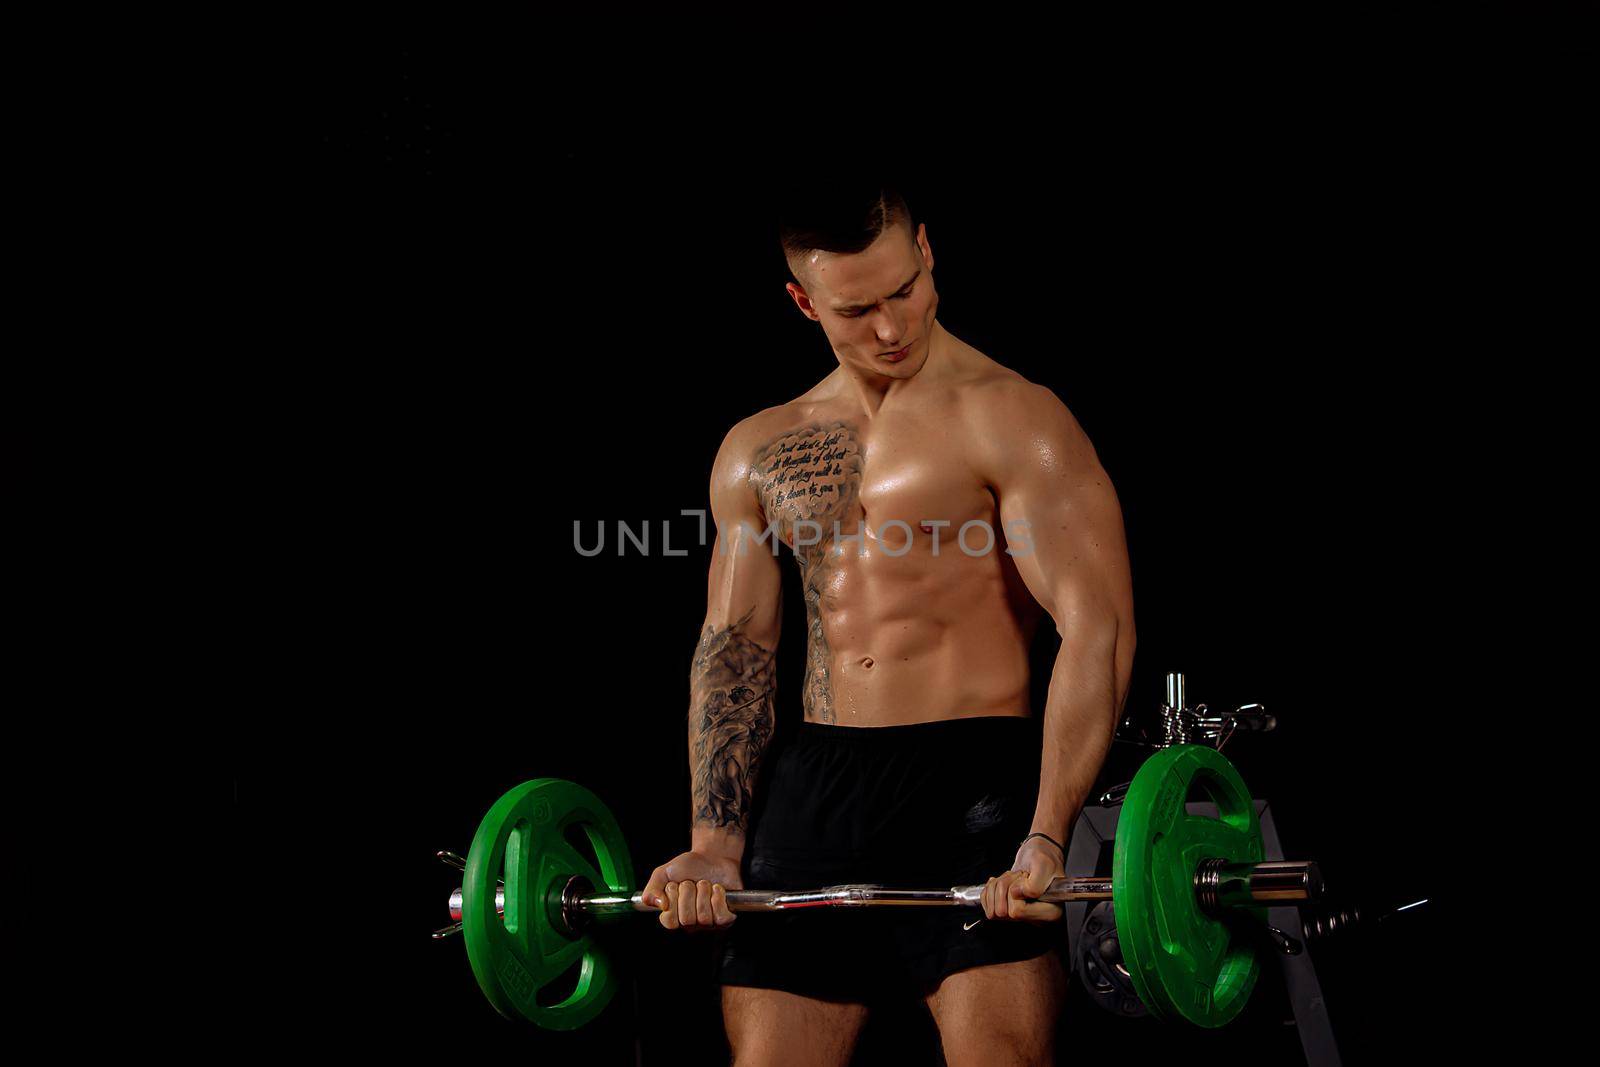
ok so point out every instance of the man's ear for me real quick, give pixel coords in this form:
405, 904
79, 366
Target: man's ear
924, 246
802, 301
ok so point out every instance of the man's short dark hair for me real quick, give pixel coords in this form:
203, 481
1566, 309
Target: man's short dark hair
842, 216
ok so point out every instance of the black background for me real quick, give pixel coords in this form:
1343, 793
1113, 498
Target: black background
508, 302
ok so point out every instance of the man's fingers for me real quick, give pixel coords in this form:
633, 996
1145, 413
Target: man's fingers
1012, 895
703, 902
719, 905
669, 912
653, 888
695, 905
997, 897
1041, 912
1020, 906
1002, 895
1036, 911
686, 903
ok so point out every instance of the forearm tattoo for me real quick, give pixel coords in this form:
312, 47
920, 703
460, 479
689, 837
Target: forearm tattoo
731, 713
809, 481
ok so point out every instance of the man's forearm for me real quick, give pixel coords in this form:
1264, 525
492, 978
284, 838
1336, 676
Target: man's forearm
731, 687
1079, 719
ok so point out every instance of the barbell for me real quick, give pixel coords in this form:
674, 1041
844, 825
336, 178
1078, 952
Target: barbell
1187, 889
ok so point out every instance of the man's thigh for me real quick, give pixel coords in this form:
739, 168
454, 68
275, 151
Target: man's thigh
769, 1026
1002, 1013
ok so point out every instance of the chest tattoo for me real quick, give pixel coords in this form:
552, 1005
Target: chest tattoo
809, 483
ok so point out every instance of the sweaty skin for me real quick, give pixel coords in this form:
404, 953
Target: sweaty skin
903, 624
868, 480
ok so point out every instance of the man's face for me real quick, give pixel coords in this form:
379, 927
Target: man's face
877, 306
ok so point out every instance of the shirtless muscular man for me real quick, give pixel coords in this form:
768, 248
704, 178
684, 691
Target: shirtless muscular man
937, 503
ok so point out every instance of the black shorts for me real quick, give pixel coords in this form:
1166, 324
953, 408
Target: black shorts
925, 806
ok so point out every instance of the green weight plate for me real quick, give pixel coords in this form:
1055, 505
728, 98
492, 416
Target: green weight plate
1184, 963
524, 835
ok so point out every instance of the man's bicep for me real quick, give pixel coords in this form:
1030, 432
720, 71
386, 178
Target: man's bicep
745, 583
1061, 517
1066, 537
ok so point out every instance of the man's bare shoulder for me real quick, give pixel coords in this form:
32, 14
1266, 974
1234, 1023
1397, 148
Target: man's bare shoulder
754, 432
754, 435
1016, 420
988, 386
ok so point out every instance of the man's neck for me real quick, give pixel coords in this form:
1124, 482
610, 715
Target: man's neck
871, 391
